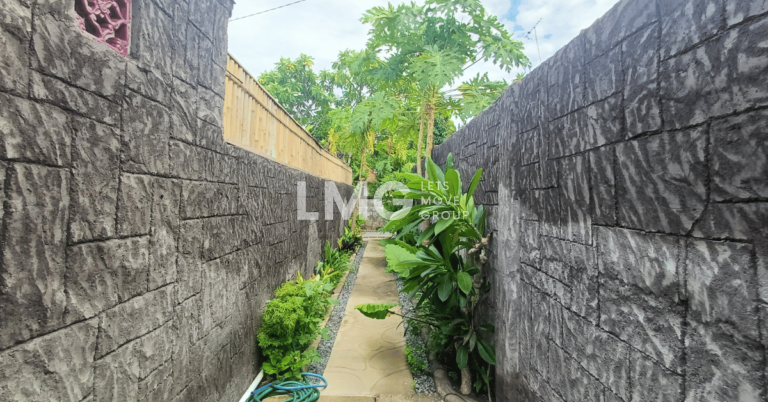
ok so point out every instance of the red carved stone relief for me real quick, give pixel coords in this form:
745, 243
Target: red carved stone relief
108, 21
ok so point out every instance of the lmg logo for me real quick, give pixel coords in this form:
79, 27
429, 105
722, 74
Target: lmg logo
334, 198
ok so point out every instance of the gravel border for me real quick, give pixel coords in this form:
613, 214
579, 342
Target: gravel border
424, 383
325, 347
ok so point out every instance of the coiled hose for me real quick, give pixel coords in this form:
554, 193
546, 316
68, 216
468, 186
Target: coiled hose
301, 391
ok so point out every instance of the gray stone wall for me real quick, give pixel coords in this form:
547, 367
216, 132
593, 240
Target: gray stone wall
137, 248
627, 183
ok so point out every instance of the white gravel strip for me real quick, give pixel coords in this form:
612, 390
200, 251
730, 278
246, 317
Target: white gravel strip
424, 383
325, 347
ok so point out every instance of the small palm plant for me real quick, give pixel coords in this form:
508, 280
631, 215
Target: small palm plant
443, 270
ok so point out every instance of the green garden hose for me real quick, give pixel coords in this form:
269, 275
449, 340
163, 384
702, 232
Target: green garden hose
300, 391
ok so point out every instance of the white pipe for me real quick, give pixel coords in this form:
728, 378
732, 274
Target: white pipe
253, 386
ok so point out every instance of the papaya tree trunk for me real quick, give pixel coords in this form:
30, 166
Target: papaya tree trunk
419, 148
430, 109
360, 193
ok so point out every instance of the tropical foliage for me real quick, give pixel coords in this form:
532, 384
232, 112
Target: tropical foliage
384, 107
442, 268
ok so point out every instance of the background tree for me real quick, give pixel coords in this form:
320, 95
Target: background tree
433, 45
306, 95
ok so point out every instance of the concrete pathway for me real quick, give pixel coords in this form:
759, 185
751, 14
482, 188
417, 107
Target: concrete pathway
368, 358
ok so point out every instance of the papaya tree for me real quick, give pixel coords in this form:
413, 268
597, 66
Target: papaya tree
433, 45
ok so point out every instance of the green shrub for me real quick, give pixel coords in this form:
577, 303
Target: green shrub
333, 267
290, 323
352, 239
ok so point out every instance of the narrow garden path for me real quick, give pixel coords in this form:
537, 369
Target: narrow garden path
368, 358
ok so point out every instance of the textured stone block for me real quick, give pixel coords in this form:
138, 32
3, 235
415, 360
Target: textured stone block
581, 385
95, 162
566, 83
154, 349
222, 15
566, 134
725, 75
661, 181
33, 132
226, 235
51, 90
530, 151
44, 369
134, 318
576, 218
686, 23
603, 180
60, 50
147, 127
204, 9
642, 105
101, 275
721, 367
118, 375
164, 233
15, 33
150, 82
640, 57
184, 118
642, 108
539, 346
553, 259
158, 386
547, 284
36, 210
134, 205
557, 373
737, 11
600, 353
189, 161
152, 37
186, 59
624, 19
547, 208
649, 323
212, 137
651, 382
722, 285
647, 261
737, 221
530, 243
603, 76
739, 164
584, 282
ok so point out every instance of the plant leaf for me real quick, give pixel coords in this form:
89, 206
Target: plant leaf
465, 282
462, 356
473, 184
445, 288
442, 224
449, 161
375, 311
487, 351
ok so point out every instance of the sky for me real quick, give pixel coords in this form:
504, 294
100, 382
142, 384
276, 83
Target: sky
323, 28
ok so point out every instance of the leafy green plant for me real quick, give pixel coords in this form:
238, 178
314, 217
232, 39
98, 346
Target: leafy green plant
290, 323
443, 269
334, 265
352, 238
415, 359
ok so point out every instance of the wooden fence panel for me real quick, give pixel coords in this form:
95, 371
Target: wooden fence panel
253, 120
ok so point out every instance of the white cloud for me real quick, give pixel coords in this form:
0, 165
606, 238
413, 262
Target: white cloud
322, 28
